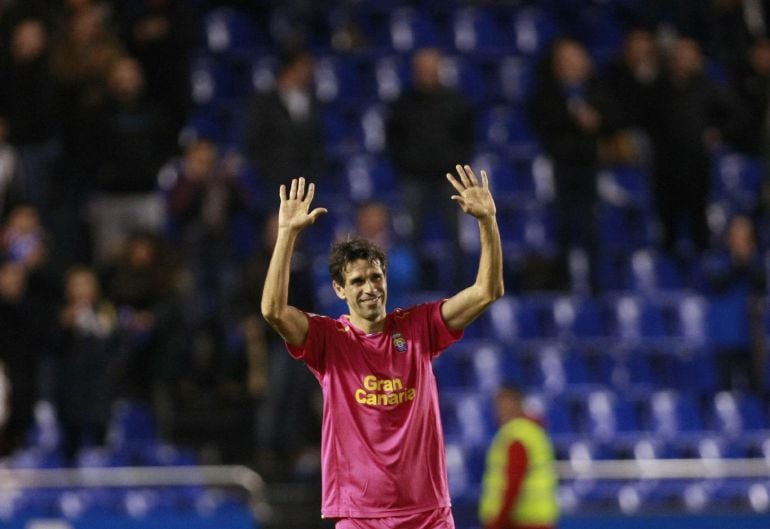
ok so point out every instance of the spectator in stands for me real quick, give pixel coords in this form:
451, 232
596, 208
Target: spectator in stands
374, 223
88, 363
82, 52
632, 79
738, 283
284, 138
288, 417
571, 111
429, 117
143, 283
161, 35
19, 352
732, 26
754, 90
207, 193
28, 105
691, 117
519, 483
132, 139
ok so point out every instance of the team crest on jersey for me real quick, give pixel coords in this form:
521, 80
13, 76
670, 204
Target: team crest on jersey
399, 342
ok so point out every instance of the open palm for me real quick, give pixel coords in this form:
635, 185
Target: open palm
474, 197
295, 211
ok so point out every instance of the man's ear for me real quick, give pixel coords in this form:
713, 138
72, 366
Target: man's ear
340, 291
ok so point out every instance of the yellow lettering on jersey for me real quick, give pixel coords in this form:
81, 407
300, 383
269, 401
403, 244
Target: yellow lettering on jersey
383, 392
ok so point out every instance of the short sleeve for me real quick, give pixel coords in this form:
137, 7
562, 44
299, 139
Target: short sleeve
441, 336
312, 351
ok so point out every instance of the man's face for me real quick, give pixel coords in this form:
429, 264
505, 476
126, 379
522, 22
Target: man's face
365, 289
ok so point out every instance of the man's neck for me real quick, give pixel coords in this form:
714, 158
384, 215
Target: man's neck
368, 326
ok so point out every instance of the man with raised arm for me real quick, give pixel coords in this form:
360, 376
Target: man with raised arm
382, 448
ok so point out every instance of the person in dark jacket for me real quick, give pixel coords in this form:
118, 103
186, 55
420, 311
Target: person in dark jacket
430, 118
284, 138
692, 116
571, 111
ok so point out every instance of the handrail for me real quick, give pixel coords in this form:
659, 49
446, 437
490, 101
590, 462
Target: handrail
209, 475
623, 469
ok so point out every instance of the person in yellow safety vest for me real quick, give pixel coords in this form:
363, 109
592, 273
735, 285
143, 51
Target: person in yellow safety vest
519, 484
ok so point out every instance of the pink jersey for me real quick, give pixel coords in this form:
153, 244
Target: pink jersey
382, 444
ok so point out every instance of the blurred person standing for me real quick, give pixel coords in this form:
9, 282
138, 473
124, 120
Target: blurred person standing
29, 108
632, 80
429, 128
88, 365
142, 282
288, 418
692, 116
571, 111
736, 284
520, 482
208, 196
132, 138
283, 136
20, 352
161, 35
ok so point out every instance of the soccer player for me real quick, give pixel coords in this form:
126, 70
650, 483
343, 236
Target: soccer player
382, 449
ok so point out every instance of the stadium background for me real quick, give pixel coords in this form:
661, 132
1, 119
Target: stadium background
625, 373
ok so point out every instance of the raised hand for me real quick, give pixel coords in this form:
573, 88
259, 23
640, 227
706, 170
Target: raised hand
474, 198
294, 212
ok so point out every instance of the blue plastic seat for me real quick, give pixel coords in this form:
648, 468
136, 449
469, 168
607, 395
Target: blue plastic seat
132, 424
676, 417
476, 31
464, 75
391, 77
410, 29
212, 82
341, 78
650, 271
611, 417
581, 318
623, 229
228, 31
506, 129
371, 177
513, 79
532, 30
513, 184
737, 178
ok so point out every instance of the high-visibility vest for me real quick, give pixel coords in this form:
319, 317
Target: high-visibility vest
536, 503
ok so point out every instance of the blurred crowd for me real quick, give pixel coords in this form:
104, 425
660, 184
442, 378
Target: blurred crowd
132, 255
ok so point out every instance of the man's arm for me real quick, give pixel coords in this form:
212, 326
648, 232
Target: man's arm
290, 322
475, 199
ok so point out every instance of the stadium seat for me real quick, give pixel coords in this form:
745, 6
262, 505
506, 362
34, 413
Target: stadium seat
736, 178
228, 31
410, 29
513, 79
533, 30
464, 75
371, 177
340, 78
506, 130
476, 31
212, 82
652, 271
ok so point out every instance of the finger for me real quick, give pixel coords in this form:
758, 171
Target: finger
317, 212
310, 193
460, 200
462, 175
301, 188
454, 182
293, 192
471, 175
282, 192
484, 180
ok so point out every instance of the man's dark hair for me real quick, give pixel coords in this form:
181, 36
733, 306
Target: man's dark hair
351, 250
